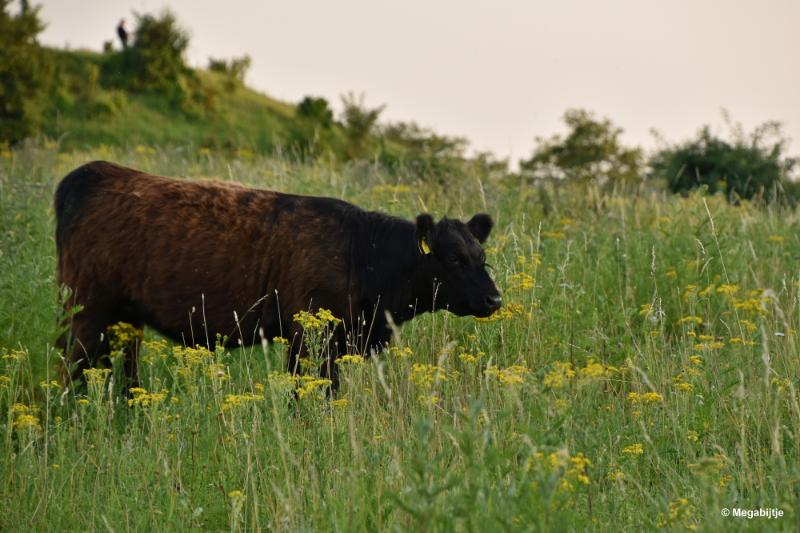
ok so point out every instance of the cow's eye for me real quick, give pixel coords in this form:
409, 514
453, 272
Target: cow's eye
453, 259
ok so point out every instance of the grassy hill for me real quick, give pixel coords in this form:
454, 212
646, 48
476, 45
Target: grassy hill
226, 114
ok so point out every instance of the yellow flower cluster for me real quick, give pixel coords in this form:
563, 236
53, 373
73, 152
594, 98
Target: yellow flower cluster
428, 400
121, 335
727, 289
315, 322
142, 398
573, 469
150, 350
680, 512
401, 353
644, 398
187, 356
509, 311
348, 359
561, 374
633, 449
535, 260
470, 358
26, 417
282, 379
14, 355
96, 376
46, 385
680, 384
234, 401
311, 384
716, 345
521, 282
513, 375
424, 375
594, 370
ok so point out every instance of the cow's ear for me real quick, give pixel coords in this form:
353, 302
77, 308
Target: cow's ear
480, 225
425, 231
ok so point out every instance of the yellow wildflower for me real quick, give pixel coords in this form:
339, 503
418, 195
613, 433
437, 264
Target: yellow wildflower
401, 353
424, 375
592, 370
513, 375
234, 401
727, 289
644, 398
349, 359
142, 398
633, 449
96, 376
311, 384
559, 376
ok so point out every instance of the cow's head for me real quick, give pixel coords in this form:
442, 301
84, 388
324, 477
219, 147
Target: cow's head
453, 256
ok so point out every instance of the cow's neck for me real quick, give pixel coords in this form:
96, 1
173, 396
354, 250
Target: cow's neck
401, 283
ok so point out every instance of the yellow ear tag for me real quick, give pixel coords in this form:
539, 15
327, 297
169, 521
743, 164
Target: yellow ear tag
424, 247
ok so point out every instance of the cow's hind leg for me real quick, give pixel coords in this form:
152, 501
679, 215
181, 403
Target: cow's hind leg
125, 338
84, 344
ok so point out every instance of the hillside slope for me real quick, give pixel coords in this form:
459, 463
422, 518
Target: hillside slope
224, 113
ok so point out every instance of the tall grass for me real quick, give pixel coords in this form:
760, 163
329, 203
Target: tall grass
643, 374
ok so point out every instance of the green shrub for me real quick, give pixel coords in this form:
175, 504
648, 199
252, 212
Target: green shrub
234, 69
745, 167
26, 73
156, 57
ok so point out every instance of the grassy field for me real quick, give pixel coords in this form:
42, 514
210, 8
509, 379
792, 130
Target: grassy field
643, 374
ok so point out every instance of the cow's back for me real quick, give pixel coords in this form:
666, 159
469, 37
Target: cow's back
164, 248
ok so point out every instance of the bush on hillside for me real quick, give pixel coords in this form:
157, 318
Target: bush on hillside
591, 152
312, 133
359, 124
234, 69
744, 167
26, 73
408, 146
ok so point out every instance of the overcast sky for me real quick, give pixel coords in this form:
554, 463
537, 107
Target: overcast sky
502, 72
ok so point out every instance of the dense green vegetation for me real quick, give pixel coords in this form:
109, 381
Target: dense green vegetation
643, 373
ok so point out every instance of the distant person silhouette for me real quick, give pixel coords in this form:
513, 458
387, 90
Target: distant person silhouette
123, 34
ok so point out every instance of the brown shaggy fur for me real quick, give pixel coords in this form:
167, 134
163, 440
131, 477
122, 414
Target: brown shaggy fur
185, 256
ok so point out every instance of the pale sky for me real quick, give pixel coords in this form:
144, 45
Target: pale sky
502, 72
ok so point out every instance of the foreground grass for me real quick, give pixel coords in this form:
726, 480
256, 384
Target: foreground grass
643, 373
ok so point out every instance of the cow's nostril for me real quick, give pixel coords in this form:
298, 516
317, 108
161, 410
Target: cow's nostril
494, 301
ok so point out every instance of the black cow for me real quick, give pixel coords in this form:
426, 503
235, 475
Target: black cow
149, 250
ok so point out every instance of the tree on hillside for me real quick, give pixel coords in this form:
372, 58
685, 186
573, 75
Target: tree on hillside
234, 69
316, 110
157, 54
406, 144
154, 62
591, 152
745, 166
26, 73
312, 133
359, 123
